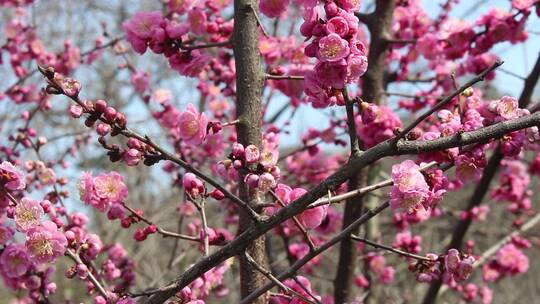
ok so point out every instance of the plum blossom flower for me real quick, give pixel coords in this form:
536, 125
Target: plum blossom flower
45, 243
350, 5
6, 233
140, 81
333, 48
512, 259
14, 260
312, 217
410, 188
140, 28
110, 186
193, 185
28, 213
192, 125
273, 8
11, 177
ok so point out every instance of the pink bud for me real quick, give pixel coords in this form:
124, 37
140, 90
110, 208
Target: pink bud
103, 129
217, 195
100, 106
252, 154
252, 180
238, 150
82, 271
110, 114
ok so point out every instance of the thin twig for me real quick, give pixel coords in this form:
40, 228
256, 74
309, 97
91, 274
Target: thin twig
272, 278
391, 249
160, 230
91, 276
296, 221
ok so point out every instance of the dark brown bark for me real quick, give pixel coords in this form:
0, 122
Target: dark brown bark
379, 23
249, 84
483, 186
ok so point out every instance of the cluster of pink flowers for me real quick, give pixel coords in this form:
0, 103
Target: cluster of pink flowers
11, 177
189, 126
341, 56
513, 187
410, 190
310, 218
376, 124
509, 261
165, 36
408, 242
211, 281
25, 265
377, 265
264, 171
301, 285
103, 191
451, 268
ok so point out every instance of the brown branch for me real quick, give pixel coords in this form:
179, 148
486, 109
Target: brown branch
284, 77
75, 257
204, 46
444, 101
351, 123
391, 249
296, 222
272, 278
371, 155
163, 232
361, 191
334, 240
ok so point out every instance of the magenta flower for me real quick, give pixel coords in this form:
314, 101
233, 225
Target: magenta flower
410, 188
193, 185
338, 25
6, 233
197, 21
11, 177
180, 6
110, 186
141, 27
140, 81
350, 5
512, 259
14, 261
273, 8
28, 213
506, 107
45, 243
332, 48
86, 188
192, 126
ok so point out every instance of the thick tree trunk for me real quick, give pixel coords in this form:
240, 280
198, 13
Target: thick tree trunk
379, 24
249, 83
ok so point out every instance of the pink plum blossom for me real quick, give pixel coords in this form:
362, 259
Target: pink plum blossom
45, 243
192, 125
333, 48
273, 8
11, 177
28, 213
410, 189
14, 260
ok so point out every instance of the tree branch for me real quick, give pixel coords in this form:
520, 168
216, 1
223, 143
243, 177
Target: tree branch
371, 155
444, 101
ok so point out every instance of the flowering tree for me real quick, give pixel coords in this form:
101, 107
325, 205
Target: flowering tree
255, 221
